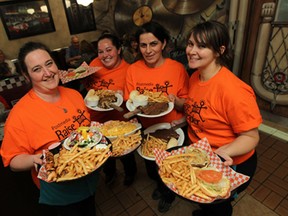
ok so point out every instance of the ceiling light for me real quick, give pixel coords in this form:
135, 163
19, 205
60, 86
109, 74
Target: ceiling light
84, 2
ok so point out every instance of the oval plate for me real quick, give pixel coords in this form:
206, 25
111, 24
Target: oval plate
155, 127
97, 137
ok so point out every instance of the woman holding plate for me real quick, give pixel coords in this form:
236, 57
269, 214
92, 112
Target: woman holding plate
156, 73
47, 114
111, 76
220, 107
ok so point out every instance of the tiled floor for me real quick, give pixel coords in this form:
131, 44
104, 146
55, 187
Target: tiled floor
266, 195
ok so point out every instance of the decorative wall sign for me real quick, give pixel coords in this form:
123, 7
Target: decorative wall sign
26, 18
80, 18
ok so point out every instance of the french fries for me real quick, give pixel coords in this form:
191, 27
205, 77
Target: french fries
125, 144
77, 162
100, 93
178, 171
150, 143
156, 96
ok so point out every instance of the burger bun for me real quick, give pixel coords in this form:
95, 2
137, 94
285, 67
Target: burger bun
220, 188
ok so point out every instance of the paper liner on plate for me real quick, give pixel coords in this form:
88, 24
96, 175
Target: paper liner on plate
127, 151
43, 174
65, 78
235, 178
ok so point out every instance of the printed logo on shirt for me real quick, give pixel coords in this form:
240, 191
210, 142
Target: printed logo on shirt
64, 128
193, 111
99, 84
164, 88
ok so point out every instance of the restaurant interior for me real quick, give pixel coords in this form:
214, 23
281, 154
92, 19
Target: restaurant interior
259, 32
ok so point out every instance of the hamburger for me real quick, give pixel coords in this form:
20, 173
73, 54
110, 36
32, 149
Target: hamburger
199, 157
80, 69
212, 182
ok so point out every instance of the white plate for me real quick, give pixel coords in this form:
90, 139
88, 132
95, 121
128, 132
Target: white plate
138, 127
155, 127
131, 107
96, 136
117, 103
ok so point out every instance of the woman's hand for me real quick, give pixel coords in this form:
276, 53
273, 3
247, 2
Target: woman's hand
178, 102
228, 160
178, 121
25, 162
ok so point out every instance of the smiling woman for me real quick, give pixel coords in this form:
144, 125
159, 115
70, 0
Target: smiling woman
48, 113
236, 117
156, 73
110, 77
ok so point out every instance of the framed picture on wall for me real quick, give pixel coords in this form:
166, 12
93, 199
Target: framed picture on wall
26, 18
80, 18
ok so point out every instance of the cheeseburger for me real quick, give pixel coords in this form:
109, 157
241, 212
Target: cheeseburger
199, 157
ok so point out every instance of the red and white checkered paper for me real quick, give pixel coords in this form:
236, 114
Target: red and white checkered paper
235, 178
89, 70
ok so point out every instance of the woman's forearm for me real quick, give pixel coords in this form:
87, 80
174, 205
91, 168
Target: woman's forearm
25, 162
243, 144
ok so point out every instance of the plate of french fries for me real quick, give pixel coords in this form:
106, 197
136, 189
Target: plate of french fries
101, 100
123, 145
202, 179
73, 164
146, 149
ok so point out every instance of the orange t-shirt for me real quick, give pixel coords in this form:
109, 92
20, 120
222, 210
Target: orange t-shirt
170, 78
112, 79
221, 108
34, 124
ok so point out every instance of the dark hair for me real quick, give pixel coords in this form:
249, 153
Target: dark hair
26, 49
114, 39
156, 29
213, 35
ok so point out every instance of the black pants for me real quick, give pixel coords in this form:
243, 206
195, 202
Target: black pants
225, 208
85, 207
152, 171
128, 162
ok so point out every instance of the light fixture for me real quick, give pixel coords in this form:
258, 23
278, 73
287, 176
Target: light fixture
84, 2
44, 8
30, 11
